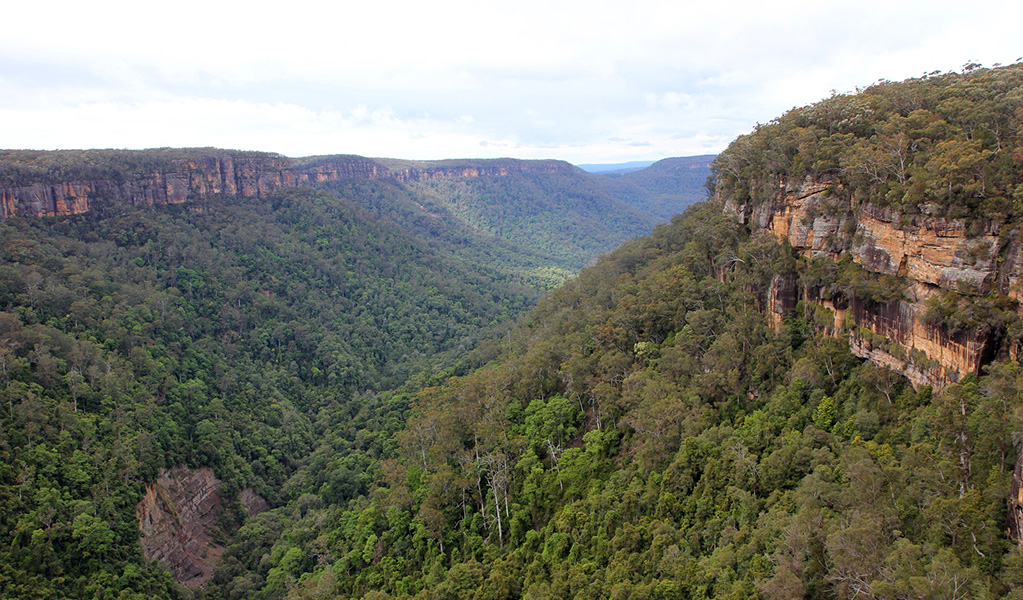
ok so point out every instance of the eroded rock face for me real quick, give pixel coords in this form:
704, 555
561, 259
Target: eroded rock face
219, 174
1014, 517
177, 516
185, 180
933, 253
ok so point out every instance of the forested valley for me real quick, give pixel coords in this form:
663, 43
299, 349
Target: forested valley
426, 419
277, 339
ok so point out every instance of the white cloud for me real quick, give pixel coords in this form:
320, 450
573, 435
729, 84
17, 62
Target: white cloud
585, 81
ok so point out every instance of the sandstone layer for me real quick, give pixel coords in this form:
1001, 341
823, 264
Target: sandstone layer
178, 516
932, 254
177, 180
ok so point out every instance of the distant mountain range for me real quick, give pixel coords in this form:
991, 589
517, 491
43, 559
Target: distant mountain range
75, 181
608, 168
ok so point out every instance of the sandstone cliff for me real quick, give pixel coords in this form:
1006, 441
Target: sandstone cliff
933, 255
1014, 515
41, 184
407, 171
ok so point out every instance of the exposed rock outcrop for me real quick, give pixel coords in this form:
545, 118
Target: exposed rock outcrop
172, 182
932, 253
252, 502
177, 516
207, 173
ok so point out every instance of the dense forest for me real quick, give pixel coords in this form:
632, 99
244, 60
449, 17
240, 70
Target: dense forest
665, 188
141, 340
946, 144
645, 431
567, 217
230, 333
646, 434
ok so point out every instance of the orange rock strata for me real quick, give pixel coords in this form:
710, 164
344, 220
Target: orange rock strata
214, 175
932, 253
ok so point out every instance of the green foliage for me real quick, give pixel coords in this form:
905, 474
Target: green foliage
825, 413
645, 434
266, 338
562, 215
959, 314
945, 144
865, 285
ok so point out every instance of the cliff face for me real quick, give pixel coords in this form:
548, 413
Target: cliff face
932, 254
177, 517
1014, 515
179, 180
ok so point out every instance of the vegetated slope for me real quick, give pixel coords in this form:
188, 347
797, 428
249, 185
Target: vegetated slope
239, 334
661, 427
551, 207
665, 426
418, 214
665, 188
251, 325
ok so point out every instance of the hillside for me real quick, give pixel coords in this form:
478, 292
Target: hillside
647, 432
550, 213
561, 213
665, 188
917, 181
136, 341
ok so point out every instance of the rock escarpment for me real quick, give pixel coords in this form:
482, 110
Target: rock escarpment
1014, 515
164, 181
178, 516
919, 182
66, 183
932, 255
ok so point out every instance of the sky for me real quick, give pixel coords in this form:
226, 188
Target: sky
586, 82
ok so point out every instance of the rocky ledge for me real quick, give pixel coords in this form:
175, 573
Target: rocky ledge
933, 255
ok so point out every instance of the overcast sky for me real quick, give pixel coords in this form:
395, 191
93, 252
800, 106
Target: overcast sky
581, 81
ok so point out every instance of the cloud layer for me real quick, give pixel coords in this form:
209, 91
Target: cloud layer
582, 81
